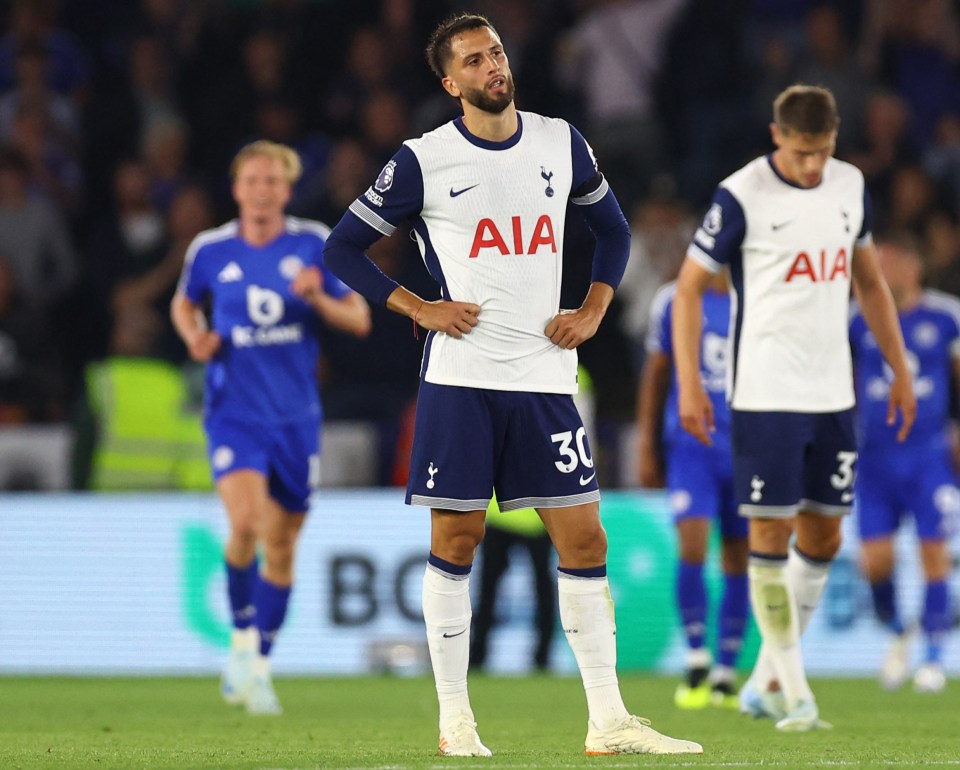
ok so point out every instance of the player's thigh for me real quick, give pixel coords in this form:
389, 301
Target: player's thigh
936, 502
768, 462
245, 498
294, 460
545, 459
877, 500
831, 464
455, 439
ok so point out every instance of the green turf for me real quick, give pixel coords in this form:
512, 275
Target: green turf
48, 722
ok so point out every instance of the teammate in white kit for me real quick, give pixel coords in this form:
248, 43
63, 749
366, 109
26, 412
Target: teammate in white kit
794, 228
268, 291
486, 195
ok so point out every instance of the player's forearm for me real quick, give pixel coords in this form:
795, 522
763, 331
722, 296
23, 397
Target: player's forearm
651, 398
687, 323
347, 261
404, 302
185, 316
350, 314
880, 313
598, 299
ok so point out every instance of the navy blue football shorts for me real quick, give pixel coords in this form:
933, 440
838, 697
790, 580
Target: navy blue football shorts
786, 462
700, 482
288, 454
531, 447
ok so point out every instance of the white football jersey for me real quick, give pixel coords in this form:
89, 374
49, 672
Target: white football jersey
790, 253
489, 220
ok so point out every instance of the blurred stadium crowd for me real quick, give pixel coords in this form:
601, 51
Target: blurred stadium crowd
118, 119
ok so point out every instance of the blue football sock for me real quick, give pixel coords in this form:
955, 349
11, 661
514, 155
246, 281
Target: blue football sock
271, 602
692, 603
734, 607
936, 618
885, 604
240, 582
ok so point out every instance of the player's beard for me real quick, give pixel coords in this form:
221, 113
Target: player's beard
479, 98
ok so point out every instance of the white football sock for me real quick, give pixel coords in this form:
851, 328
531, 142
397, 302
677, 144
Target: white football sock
446, 612
774, 609
807, 579
586, 613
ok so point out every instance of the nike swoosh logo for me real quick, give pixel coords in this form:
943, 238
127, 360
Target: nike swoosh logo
450, 636
780, 225
455, 193
587, 480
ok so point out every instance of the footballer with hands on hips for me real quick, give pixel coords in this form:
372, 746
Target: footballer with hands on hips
486, 195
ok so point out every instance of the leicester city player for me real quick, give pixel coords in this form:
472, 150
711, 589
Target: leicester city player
916, 475
794, 228
487, 196
263, 278
700, 481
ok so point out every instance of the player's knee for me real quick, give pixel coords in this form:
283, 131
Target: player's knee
588, 548
278, 553
824, 547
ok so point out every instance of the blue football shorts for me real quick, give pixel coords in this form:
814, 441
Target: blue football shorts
288, 454
531, 447
894, 481
786, 462
700, 483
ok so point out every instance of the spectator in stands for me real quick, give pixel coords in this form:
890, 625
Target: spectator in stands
33, 236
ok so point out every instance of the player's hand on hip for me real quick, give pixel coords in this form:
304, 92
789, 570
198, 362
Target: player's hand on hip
204, 346
903, 400
696, 414
307, 283
447, 316
569, 328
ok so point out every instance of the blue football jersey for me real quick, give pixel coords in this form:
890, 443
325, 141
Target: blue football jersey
931, 332
714, 359
265, 370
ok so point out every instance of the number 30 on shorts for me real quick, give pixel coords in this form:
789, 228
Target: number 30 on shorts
572, 458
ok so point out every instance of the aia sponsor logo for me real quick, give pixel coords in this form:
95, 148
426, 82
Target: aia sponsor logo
488, 236
819, 267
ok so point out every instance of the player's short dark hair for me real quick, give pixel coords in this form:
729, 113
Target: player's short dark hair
439, 51
804, 109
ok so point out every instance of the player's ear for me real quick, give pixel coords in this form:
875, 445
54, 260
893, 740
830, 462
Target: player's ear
450, 87
776, 134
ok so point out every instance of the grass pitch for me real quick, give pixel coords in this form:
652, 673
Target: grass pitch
390, 724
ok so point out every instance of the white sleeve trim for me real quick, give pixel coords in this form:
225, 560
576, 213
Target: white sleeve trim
591, 198
703, 259
373, 219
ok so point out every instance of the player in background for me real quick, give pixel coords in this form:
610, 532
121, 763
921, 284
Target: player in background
487, 196
700, 481
263, 278
794, 229
916, 475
